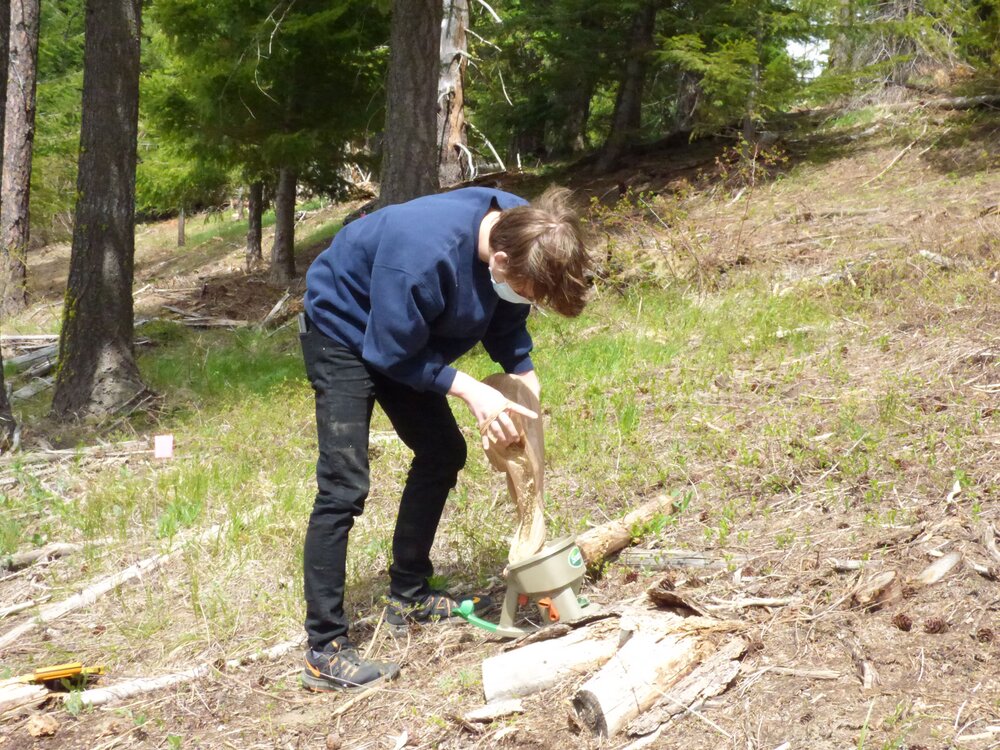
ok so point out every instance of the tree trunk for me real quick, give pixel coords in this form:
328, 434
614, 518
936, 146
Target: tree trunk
688, 93
455, 164
574, 131
410, 153
97, 370
4, 57
18, 141
750, 113
8, 427
180, 227
7, 424
255, 212
283, 251
627, 115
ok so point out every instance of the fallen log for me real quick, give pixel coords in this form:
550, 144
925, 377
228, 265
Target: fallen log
665, 559
110, 450
538, 666
121, 691
32, 389
605, 540
493, 711
644, 669
18, 695
26, 360
709, 679
23, 559
92, 593
277, 310
14, 609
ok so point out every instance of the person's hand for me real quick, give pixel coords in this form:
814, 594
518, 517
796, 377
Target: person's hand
493, 411
530, 379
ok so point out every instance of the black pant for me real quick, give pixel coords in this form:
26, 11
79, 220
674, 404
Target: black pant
346, 390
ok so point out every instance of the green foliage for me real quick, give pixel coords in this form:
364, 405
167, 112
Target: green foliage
250, 87
738, 53
57, 120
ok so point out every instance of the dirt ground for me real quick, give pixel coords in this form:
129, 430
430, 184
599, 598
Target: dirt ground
931, 656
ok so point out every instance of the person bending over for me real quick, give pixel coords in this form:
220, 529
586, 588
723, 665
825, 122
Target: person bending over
401, 294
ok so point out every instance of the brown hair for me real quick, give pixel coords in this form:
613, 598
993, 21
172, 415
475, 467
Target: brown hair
546, 246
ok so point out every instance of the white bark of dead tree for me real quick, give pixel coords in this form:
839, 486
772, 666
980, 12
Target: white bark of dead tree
605, 540
709, 679
644, 669
93, 592
538, 666
23, 559
666, 559
16, 696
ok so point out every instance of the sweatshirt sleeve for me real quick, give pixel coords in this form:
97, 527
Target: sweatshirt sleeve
507, 340
402, 310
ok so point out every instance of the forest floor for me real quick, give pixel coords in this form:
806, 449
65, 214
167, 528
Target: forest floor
802, 349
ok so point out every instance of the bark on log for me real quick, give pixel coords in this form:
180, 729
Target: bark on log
93, 592
538, 666
708, 680
23, 559
665, 559
938, 569
605, 540
632, 680
16, 696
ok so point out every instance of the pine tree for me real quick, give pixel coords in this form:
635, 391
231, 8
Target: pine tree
19, 129
7, 424
627, 118
97, 372
410, 153
260, 87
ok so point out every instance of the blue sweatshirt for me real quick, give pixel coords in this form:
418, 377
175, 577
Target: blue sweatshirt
405, 290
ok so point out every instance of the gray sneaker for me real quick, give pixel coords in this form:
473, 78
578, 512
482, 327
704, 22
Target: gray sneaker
435, 606
339, 666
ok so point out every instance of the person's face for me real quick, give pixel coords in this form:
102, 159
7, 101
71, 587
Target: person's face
498, 265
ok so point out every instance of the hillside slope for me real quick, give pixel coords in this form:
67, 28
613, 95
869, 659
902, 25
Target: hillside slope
802, 349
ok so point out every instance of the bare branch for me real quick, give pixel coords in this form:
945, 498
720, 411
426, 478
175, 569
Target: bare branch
491, 11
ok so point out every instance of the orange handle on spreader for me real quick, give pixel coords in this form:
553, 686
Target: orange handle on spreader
550, 608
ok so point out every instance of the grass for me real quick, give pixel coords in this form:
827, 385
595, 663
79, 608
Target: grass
774, 411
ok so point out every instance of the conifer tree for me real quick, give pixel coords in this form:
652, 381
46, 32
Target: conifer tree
410, 152
262, 87
97, 373
19, 129
7, 424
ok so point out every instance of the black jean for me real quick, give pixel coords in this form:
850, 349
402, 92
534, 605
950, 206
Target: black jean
346, 390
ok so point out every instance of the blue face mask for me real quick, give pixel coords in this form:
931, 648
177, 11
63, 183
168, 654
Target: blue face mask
504, 292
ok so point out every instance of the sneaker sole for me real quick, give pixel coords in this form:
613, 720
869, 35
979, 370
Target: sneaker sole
319, 685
